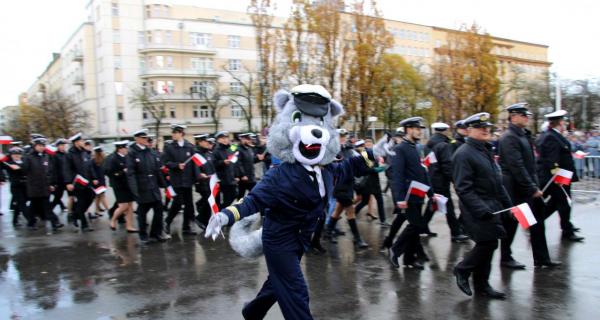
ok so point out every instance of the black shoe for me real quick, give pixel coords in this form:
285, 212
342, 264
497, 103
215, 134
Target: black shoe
361, 244
57, 226
144, 237
460, 238
132, 231
547, 264
422, 257
393, 258
87, 229
189, 232
371, 217
158, 239
329, 236
337, 232
414, 265
462, 281
200, 225
167, 228
429, 234
16, 225
32, 228
91, 216
489, 292
384, 224
512, 264
317, 248
572, 237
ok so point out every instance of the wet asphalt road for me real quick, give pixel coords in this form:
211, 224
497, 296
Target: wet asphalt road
108, 275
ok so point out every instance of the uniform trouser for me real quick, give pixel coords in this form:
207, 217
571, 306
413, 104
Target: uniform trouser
227, 196
40, 206
19, 198
83, 199
285, 285
558, 201
479, 262
58, 194
156, 227
365, 201
203, 207
451, 219
184, 197
243, 187
408, 243
537, 232
396, 225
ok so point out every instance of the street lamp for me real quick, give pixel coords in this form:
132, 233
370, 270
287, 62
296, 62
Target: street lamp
372, 120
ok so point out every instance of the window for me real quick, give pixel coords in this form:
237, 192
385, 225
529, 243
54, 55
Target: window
235, 87
200, 39
235, 64
172, 112
202, 65
170, 86
120, 116
116, 36
148, 36
144, 115
234, 42
148, 14
117, 61
118, 88
141, 37
201, 112
236, 111
168, 37
169, 61
160, 62
114, 9
203, 88
158, 39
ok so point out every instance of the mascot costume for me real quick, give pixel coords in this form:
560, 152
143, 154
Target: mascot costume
291, 197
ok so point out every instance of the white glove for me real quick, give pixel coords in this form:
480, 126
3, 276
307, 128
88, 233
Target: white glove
214, 225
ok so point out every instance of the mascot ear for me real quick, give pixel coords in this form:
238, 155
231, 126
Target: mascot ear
336, 108
280, 99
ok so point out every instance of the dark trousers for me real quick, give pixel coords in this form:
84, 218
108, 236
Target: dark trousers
396, 225
539, 246
83, 199
558, 201
40, 207
184, 198
479, 262
365, 201
285, 285
19, 198
203, 207
408, 243
156, 227
451, 219
58, 194
243, 187
227, 195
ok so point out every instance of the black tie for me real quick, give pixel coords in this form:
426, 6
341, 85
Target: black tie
314, 179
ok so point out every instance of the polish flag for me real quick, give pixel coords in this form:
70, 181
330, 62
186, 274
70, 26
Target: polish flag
233, 157
100, 190
81, 180
50, 149
563, 177
524, 215
164, 170
580, 154
430, 159
214, 192
3, 157
170, 192
199, 160
6, 139
418, 189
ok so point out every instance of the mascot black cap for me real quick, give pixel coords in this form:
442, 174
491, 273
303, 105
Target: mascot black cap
311, 99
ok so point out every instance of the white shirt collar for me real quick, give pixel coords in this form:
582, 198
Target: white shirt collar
141, 146
122, 155
181, 142
319, 174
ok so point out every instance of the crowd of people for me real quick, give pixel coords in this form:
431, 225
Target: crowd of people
485, 179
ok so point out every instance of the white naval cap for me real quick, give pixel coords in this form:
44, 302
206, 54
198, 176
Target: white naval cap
439, 126
556, 114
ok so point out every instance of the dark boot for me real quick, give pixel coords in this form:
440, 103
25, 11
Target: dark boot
329, 232
358, 241
316, 239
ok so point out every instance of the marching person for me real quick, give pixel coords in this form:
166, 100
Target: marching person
554, 153
247, 159
459, 135
517, 161
203, 148
79, 163
372, 187
406, 168
478, 183
40, 184
98, 168
440, 172
225, 168
18, 184
182, 176
145, 180
116, 170
58, 165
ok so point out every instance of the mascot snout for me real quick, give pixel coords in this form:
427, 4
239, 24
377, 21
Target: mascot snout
309, 143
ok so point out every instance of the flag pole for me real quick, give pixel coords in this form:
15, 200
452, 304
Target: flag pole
188, 160
407, 194
502, 210
549, 182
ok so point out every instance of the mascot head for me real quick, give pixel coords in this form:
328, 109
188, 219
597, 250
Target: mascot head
304, 128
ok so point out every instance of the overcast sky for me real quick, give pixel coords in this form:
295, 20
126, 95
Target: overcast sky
30, 30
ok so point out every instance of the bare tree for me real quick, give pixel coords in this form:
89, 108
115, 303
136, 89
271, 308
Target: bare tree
245, 99
151, 104
213, 97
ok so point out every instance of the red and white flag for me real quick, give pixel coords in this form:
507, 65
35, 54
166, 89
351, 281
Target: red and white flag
563, 177
6, 139
100, 190
3, 157
418, 189
198, 159
579, 154
81, 180
170, 192
524, 215
50, 149
233, 157
214, 193
430, 159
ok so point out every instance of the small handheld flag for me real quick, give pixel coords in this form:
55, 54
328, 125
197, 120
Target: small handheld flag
50, 149
233, 157
170, 192
417, 189
214, 192
199, 160
81, 180
524, 215
430, 159
100, 190
6, 139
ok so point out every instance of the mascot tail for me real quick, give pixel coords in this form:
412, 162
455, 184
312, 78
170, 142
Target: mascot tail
383, 147
245, 239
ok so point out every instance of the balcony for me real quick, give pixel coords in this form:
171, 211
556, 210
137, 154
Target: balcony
78, 56
176, 97
79, 81
150, 47
178, 73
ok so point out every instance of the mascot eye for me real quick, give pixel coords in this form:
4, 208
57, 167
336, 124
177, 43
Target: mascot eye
322, 122
296, 116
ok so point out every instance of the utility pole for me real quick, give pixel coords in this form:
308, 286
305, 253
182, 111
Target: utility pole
558, 97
